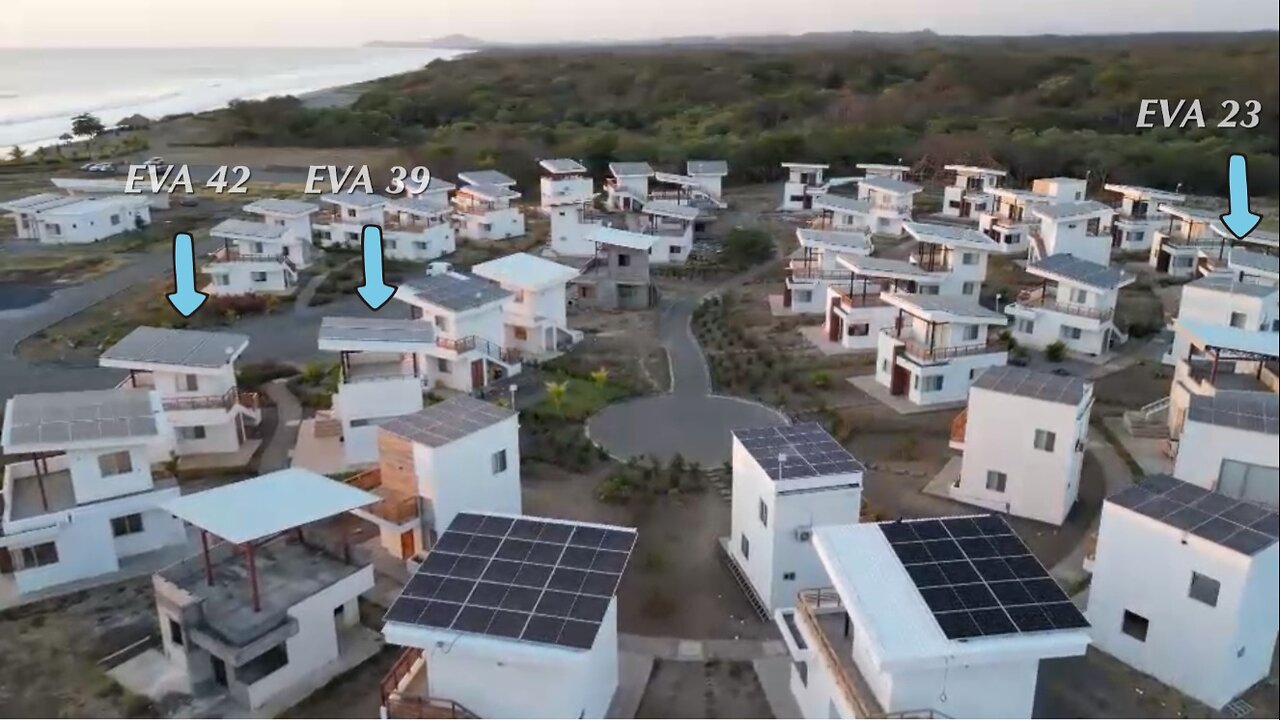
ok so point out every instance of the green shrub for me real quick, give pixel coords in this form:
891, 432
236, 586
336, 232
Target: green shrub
1056, 351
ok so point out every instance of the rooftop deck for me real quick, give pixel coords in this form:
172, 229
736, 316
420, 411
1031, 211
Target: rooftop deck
921, 352
53, 491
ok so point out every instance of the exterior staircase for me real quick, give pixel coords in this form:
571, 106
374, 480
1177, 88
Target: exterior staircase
1149, 421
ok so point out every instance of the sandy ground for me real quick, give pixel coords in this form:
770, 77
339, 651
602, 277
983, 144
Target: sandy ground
712, 689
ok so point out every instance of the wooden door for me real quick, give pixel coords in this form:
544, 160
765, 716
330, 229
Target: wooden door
786, 296
899, 376
834, 325
477, 374
407, 546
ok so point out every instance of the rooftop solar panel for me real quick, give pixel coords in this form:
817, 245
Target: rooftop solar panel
978, 578
523, 578
788, 452
1236, 524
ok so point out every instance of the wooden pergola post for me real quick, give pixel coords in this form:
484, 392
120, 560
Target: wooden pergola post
253, 575
204, 551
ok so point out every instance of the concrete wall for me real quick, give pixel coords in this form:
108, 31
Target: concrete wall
569, 233
497, 224
1215, 307
369, 399
1209, 653
1203, 447
560, 189
459, 477
91, 226
240, 280
1071, 237
88, 483
957, 374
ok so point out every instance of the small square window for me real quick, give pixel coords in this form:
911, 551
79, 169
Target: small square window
520, 333
258, 277
126, 525
1238, 320
1204, 588
746, 546
968, 288
788, 576
624, 260
996, 480
500, 461
175, 632
190, 383
1045, 440
859, 329
442, 365
764, 514
971, 332
116, 463
1134, 625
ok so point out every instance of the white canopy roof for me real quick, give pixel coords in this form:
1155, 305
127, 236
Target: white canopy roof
268, 504
525, 271
621, 238
1225, 337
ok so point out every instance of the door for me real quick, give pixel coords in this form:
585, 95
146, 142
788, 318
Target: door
807, 203
1162, 261
219, 670
1116, 235
477, 374
899, 376
966, 208
407, 546
786, 296
834, 324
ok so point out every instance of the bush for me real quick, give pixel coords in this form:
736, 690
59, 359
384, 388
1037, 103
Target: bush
820, 379
254, 375
744, 247
1056, 351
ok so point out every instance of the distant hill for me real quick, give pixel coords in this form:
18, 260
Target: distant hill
447, 42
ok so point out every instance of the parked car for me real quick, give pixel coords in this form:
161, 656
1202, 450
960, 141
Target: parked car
104, 168
88, 167
188, 201
157, 161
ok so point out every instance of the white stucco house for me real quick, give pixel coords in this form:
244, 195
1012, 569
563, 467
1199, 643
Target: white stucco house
813, 268
1228, 445
804, 182
1010, 222
628, 188
672, 226
262, 256
855, 313
969, 195
1075, 305
1220, 358
1138, 216
891, 202
956, 257
1075, 228
1222, 300
842, 213
535, 314
53, 219
484, 207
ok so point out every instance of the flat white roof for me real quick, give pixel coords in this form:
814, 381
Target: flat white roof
1072, 210
104, 185
1020, 195
342, 333
621, 238
883, 267
837, 240
889, 185
842, 204
707, 167
57, 421
1225, 337
235, 227
86, 205
1144, 192
281, 206
1190, 214
354, 199
486, 177
36, 203
886, 605
883, 166
485, 191
1257, 237
1251, 260
429, 205
975, 170
666, 208
815, 166
944, 308
1071, 269
562, 166
268, 504
631, 169
949, 235
525, 271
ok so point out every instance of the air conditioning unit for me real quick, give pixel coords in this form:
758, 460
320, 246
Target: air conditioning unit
804, 533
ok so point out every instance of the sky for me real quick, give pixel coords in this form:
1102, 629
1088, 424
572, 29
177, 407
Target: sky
312, 23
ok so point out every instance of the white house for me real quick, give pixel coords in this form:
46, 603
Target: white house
261, 615
468, 323
568, 194
1220, 358
628, 189
484, 207
709, 177
1256, 255
787, 480
383, 371
458, 455
1061, 189
896, 172
1138, 217
970, 194
842, 213
1077, 309
1185, 587
66, 220
414, 228
813, 267
535, 313
510, 616
1182, 246
1221, 300
103, 187
79, 495
262, 256
804, 181
956, 256
936, 347
1029, 468
672, 226
1228, 445
565, 181
946, 617
1010, 222
194, 373
1074, 228
1245, 264
891, 202
854, 312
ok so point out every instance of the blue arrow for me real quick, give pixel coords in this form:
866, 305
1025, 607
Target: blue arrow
1239, 220
185, 298
375, 292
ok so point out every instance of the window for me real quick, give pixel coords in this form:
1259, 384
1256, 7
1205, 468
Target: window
764, 514
802, 672
969, 288
349, 212
193, 432
190, 383
804, 296
996, 480
442, 322
352, 237
1079, 296
1070, 333
674, 249
442, 365
1204, 588
1045, 440
1137, 236
861, 330
788, 576
933, 383
126, 525
219, 279
54, 228
258, 277
1026, 326
969, 258
263, 665
1238, 320
970, 332
116, 463
624, 260
175, 632
258, 248
115, 219
928, 289
499, 461
419, 245
520, 333
1247, 481
391, 244
34, 556
1134, 625
746, 546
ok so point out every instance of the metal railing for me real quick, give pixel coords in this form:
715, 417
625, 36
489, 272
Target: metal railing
924, 353
485, 346
403, 705
870, 299
225, 401
1040, 298
802, 272
855, 691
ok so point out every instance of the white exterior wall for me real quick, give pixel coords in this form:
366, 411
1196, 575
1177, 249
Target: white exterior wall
874, 316
429, 244
1215, 307
672, 248
1209, 653
90, 226
570, 233
1202, 448
221, 431
956, 373
368, 399
240, 280
496, 224
1000, 435
774, 546
540, 312
557, 190
1071, 237
711, 184
313, 651
459, 477
1061, 189
889, 210
637, 185
1048, 322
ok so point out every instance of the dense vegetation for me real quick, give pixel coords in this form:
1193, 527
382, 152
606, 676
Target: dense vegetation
1050, 106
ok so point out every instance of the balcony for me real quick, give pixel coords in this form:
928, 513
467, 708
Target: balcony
1041, 298
486, 347
225, 401
922, 353
376, 372
404, 691
232, 255
805, 273
1181, 241
871, 298
394, 507
1200, 375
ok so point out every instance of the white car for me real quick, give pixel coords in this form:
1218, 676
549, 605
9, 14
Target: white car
157, 161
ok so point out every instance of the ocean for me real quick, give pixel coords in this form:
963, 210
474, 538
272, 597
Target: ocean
40, 90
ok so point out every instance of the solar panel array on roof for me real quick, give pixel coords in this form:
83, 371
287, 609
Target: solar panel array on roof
788, 452
1223, 520
354, 329
446, 421
171, 346
1029, 383
1255, 411
979, 579
456, 291
518, 578
81, 416
1072, 268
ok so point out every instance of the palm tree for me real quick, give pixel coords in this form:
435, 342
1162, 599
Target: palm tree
17, 153
600, 377
556, 392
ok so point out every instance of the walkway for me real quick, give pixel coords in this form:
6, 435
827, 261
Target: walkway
690, 420
278, 449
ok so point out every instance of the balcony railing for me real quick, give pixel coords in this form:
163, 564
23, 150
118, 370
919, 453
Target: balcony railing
859, 300
225, 401
394, 507
923, 353
802, 272
486, 347
401, 704
1039, 298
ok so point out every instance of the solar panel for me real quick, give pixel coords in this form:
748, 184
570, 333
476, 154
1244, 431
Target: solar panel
979, 579
1236, 524
523, 578
787, 452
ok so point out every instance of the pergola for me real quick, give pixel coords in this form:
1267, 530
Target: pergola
1222, 342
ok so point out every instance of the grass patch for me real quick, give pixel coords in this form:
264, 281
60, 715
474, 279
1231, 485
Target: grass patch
55, 268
